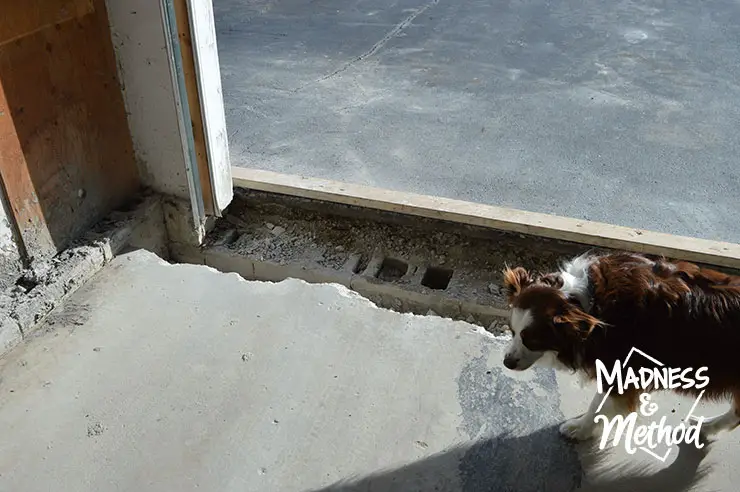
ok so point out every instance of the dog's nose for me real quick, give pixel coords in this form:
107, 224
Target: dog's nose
510, 362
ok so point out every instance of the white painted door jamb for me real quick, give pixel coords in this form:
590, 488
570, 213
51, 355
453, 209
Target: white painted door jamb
207, 68
172, 42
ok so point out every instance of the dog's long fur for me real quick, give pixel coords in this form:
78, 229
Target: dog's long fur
600, 307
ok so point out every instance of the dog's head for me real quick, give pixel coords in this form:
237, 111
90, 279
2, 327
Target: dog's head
543, 320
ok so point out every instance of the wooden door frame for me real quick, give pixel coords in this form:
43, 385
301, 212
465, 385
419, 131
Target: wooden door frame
190, 37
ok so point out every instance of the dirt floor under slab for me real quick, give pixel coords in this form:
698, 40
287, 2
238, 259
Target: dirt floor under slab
409, 264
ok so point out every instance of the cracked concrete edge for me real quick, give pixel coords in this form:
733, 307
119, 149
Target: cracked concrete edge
139, 227
586, 232
384, 294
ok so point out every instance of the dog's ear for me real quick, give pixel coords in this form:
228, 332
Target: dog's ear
515, 280
577, 321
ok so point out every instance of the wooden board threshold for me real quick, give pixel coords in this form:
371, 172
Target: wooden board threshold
507, 219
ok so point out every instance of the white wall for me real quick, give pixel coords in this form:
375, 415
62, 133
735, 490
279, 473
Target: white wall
144, 72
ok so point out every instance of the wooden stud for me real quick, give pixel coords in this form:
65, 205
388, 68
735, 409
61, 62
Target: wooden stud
196, 115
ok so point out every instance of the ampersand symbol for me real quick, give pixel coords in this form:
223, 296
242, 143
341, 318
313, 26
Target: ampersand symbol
647, 408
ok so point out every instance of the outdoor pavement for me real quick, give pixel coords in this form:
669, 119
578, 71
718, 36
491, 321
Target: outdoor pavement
159, 377
616, 111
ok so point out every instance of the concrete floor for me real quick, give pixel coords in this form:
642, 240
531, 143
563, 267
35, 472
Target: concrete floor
617, 111
160, 377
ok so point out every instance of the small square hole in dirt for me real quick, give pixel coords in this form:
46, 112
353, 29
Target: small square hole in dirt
361, 264
392, 269
437, 278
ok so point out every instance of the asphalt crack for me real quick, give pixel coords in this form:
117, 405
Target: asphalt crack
397, 29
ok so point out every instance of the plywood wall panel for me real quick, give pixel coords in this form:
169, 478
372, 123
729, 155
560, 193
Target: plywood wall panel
66, 156
23, 18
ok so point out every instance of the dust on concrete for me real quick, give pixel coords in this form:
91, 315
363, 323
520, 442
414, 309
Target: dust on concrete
68, 314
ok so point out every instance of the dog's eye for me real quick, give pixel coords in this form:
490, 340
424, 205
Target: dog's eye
531, 340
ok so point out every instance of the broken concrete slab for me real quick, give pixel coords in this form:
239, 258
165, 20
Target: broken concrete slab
178, 377
46, 283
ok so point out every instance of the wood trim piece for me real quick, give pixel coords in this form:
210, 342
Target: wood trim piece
194, 103
507, 219
182, 108
208, 72
19, 189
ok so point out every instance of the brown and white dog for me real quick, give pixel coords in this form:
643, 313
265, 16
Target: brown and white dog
600, 307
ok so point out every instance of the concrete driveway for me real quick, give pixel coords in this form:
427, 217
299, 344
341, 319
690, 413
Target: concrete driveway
617, 111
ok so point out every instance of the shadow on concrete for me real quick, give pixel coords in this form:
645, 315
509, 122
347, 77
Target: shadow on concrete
511, 464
